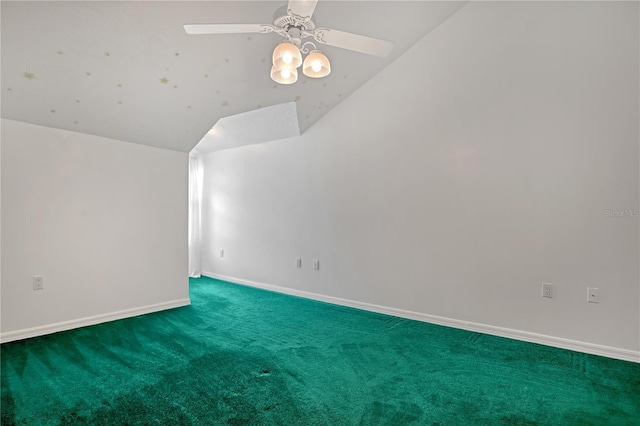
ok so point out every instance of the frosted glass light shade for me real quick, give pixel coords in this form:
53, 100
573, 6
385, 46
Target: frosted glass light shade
287, 56
316, 65
284, 76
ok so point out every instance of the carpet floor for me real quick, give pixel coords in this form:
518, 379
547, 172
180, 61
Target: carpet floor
243, 356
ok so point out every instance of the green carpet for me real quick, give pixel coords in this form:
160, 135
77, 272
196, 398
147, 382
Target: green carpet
242, 356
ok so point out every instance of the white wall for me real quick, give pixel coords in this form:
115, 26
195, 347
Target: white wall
104, 221
450, 186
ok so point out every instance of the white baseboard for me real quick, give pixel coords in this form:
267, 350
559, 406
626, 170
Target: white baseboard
93, 320
558, 342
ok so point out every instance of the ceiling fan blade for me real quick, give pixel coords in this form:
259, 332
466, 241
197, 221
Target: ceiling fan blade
227, 28
302, 9
355, 42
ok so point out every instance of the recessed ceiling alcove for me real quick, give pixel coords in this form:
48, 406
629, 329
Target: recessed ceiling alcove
252, 127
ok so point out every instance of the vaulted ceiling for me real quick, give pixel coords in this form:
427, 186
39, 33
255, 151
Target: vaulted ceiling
128, 70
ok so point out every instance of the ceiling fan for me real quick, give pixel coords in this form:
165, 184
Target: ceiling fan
294, 22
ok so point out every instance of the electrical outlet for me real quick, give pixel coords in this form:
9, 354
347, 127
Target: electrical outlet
298, 262
316, 264
38, 282
592, 295
547, 290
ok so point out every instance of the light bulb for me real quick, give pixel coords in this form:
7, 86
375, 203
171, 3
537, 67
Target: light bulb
286, 55
316, 65
284, 76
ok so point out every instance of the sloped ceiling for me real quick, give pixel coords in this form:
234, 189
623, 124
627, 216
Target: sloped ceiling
247, 128
128, 70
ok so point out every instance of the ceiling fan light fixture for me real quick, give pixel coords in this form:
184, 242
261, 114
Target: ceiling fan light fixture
284, 76
316, 65
294, 22
286, 56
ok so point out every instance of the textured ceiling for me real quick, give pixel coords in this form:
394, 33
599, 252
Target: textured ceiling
128, 70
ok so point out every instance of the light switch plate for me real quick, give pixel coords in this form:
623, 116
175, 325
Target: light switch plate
38, 282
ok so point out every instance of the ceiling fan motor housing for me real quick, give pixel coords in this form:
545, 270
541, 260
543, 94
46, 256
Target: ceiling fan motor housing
285, 21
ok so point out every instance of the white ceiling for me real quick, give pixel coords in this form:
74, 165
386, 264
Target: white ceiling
247, 128
128, 71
